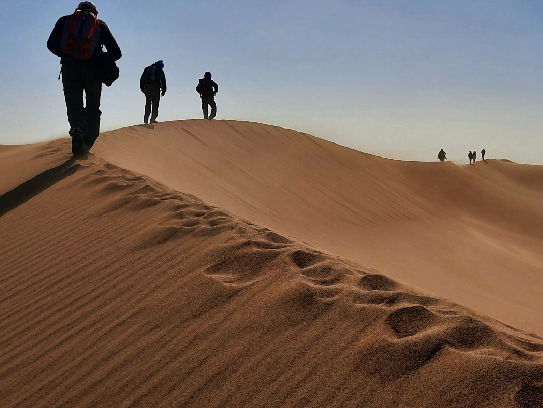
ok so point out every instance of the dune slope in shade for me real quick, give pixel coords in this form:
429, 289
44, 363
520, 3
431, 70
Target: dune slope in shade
118, 291
472, 234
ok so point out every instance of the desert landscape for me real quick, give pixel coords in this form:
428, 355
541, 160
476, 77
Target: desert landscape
235, 264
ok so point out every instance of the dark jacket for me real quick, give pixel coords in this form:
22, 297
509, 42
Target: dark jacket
160, 79
207, 83
106, 39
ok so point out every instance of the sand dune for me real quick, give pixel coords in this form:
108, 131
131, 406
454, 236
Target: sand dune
472, 234
117, 290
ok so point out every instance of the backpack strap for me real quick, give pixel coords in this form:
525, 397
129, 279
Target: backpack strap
71, 40
86, 44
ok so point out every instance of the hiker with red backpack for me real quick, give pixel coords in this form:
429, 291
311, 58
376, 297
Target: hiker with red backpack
78, 39
207, 88
152, 81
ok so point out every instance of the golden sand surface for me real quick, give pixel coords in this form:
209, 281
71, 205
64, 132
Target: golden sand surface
234, 264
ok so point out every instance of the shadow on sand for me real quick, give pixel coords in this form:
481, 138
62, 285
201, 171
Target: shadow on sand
530, 396
30, 188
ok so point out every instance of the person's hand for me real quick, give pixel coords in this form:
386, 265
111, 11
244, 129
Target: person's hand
163, 93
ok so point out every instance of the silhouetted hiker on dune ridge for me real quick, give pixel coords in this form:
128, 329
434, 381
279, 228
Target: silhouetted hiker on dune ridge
152, 81
207, 88
78, 40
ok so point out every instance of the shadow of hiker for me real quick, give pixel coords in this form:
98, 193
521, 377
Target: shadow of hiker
529, 396
30, 188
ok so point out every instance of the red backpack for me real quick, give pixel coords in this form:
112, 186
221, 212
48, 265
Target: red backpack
80, 35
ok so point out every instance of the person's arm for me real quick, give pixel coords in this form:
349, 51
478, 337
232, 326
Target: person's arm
53, 43
107, 39
142, 85
215, 87
163, 82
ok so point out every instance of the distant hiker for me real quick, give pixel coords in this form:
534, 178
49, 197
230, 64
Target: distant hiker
78, 40
474, 154
207, 88
470, 156
442, 155
483, 152
152, 81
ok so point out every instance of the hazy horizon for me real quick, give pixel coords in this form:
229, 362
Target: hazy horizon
397, 79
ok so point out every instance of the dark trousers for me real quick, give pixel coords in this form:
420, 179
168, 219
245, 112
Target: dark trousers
77, 77
209, 101
152, 100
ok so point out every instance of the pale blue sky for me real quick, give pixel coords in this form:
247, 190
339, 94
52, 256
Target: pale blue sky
398, 78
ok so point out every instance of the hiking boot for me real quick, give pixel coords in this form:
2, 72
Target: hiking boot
154, 121
79, 147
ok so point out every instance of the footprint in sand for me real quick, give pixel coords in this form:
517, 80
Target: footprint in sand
411, 320
278, 239
378, 282
242, 265
303, 259
323, 274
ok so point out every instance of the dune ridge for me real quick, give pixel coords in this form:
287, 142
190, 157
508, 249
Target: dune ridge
472, 234
116, 290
